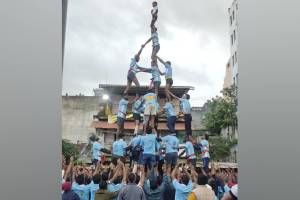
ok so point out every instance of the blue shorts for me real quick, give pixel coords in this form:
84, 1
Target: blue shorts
149, 159
156, 48
171, 159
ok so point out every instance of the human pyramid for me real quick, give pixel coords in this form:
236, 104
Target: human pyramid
148, 104
146, 147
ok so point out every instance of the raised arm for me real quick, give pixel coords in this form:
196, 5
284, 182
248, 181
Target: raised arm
147, 42
160, 60
124, 173
119, 167
173, 95
69, 168
98, 166
140, 51
174, 172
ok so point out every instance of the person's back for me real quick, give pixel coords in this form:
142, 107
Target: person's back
118, 147
131, 192
149, 143
81, 190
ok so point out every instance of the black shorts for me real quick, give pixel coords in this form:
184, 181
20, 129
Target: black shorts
169, 81
130, 76
171, 159
136, 155
120, 121
136, 117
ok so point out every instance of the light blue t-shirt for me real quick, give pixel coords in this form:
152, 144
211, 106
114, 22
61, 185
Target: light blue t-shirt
119, 147
137, 108
205, 148
185, 105
171, 143
96, 150
133, 66
155, 40
122, 108
150, 98
168, 72
149, 144
155, 73
182, 190
82, 190
169, 109
189, 150
136, 141
93, 188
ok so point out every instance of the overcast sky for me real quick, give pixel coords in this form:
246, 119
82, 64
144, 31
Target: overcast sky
102, 36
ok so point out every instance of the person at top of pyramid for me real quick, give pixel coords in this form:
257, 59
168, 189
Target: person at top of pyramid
154, 12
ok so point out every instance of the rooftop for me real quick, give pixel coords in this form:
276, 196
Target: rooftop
119, 89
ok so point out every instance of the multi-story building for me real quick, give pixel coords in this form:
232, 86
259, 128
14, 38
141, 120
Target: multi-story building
233, 25
228, 81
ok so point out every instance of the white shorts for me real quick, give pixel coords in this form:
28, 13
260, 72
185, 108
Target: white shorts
150, 109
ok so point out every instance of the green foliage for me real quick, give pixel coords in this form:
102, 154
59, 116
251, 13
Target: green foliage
70, 149
221, 111
220, 147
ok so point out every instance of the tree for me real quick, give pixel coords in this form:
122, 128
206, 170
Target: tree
69, 149
220, 147
222, 111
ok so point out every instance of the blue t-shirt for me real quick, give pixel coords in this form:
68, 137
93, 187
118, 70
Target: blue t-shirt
182, 190
119, 147
155, 40
150, 98
114, 188
81, 190
189, 149
96, 150
205, 148
185, 106
149, 144
136, 141
133, 66
169, 109
168, 72
93, 188
171, 143
155, 73
137, 108
122, 108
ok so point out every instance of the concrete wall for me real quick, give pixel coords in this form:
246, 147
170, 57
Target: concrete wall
77, 116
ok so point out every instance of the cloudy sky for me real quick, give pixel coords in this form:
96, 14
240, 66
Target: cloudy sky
102, 36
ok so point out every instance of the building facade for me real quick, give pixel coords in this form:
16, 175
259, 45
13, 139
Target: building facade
233, 26
228, 80
77, 115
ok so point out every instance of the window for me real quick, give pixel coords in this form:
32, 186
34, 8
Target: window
231, 39
235, 55
234, 35
232, 60
232, 15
